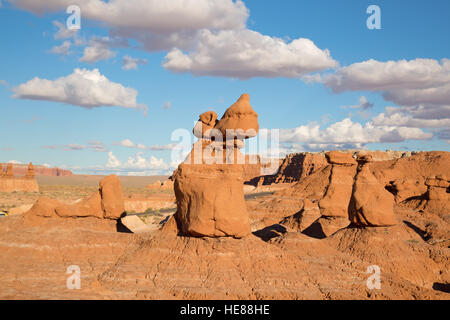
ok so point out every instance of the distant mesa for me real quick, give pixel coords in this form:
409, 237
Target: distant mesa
39, 170
11, 183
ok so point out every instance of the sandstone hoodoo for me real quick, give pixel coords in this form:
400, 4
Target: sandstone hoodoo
30, 171
209, 184
347, 192
371, 204
210, 201
334, 205
106, 203
112, 197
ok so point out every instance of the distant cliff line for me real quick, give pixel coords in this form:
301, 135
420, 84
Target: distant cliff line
39, 170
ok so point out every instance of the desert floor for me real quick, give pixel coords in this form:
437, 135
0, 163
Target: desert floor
274, 262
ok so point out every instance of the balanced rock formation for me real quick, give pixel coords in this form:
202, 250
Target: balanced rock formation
371, 204
106, 203
209, 183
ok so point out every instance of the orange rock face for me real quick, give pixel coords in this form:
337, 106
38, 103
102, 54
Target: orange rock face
371, 204
240, 117
346, 194
106, 203
112, 197
44, 207
296, 167
89, 207
337, 157
205, 124
339, 191
334, 205
210, 201
438, 195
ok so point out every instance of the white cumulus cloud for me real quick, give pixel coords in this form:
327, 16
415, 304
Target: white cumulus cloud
419, 117
406, 83
203, 37
245, 54
349, 134
84, 88
152, 15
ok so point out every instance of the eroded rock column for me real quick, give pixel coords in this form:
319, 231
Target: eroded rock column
209, 183
371, 205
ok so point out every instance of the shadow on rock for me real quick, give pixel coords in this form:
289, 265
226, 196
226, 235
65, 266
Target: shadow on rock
270, 232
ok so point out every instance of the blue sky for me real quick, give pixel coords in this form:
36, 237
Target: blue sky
318, 99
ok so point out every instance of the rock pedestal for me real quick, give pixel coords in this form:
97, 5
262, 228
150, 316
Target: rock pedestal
209, 183
210, 201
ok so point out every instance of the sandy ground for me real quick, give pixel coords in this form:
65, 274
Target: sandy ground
71, 188
274, 262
